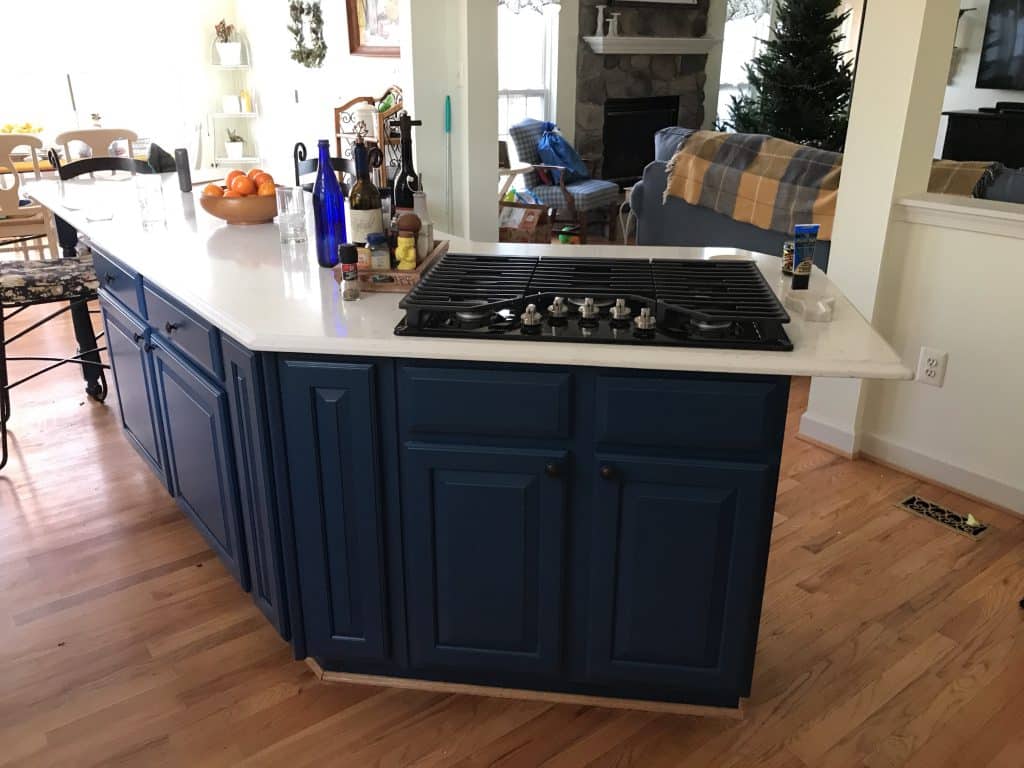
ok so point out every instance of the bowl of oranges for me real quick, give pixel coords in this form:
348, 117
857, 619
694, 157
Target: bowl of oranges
243, 198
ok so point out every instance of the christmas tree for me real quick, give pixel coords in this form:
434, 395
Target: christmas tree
801, 83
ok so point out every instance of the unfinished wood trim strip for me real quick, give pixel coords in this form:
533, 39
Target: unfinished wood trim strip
552, 697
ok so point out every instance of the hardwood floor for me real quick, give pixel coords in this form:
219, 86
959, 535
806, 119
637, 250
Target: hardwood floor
885, 640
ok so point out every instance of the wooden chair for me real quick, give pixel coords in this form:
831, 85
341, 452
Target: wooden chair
70, 279
577, 199
20, 224
98, 141
305, 167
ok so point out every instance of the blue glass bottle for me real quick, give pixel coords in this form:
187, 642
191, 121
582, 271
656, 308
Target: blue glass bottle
328, 210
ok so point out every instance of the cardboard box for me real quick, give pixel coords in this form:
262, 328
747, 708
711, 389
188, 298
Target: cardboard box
523, 223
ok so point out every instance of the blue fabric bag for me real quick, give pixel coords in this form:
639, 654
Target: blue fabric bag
555, 150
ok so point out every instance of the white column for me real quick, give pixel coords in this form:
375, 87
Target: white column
713, 68
477, 118
565, 82
901, 80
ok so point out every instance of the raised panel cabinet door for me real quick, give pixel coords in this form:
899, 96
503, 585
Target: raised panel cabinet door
199, 454
484, 546
677, 564
333, 449
260, 525
126, 345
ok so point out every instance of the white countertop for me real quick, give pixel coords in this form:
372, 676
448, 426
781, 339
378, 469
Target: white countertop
274, 297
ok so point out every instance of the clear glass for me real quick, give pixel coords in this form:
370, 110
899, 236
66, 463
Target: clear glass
150, 190
291, 214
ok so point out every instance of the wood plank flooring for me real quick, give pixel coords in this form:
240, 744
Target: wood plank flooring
885, 640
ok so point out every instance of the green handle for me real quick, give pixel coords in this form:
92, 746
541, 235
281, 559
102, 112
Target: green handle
447, 114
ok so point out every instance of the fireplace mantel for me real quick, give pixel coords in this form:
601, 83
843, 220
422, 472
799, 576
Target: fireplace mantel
673, 46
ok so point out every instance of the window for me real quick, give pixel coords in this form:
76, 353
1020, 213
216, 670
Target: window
527, 66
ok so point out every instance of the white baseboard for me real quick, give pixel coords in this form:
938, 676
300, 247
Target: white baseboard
958, 479
830, 435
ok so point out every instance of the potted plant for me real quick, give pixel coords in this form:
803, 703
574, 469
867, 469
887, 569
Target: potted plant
234, 146
229, 51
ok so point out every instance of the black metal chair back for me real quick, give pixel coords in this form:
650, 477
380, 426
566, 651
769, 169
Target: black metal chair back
304, 167
93, 164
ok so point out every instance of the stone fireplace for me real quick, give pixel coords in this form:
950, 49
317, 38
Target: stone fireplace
629, 128
603, 80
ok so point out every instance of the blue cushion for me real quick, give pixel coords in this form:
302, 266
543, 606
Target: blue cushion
1008, 186
668, 140
589, 195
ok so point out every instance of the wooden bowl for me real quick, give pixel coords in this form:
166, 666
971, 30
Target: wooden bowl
241, 210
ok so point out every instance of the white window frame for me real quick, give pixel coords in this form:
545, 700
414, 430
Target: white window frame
550, 67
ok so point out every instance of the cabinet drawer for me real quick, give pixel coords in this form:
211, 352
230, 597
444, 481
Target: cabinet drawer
699, 414
468, 401
185, 330
118, 280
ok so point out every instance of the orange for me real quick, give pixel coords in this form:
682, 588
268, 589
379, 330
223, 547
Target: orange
243, 186
231, 177
255, 172
266, 189
212, 190
232, 193
260, 178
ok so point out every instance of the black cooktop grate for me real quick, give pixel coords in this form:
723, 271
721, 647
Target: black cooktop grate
461, 281
717, 289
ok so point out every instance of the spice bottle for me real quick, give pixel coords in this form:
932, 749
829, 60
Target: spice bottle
349, 257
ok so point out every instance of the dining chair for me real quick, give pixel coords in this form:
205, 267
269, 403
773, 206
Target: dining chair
21, 220
70, 279
304, 167
97, 140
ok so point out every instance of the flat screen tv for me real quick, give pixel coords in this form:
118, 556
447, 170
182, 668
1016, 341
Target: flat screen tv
1002, 54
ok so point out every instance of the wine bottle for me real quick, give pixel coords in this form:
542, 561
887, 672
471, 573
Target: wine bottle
366, 215
408, 181
328, 210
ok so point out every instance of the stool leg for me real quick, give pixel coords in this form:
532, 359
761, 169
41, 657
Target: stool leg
5, 394
67, 236
95, 381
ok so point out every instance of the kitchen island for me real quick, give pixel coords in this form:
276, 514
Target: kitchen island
589, 522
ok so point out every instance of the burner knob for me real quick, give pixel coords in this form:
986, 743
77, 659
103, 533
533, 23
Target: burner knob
621, 310
558, 309
531, 317
644, 321
589, 310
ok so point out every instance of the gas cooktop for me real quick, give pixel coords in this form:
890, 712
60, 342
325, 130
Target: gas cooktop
689, 303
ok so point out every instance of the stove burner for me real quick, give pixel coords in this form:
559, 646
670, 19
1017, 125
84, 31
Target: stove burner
599, 303
469, 319
710, 328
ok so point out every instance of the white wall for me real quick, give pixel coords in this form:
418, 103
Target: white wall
954, 290
565, 82
297, 103
961, 93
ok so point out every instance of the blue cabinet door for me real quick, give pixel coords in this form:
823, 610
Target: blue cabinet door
260, 526
677, 560
126, 345
199, 454
484, 556
333, 447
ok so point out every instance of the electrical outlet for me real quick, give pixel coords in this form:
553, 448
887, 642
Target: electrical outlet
931, 367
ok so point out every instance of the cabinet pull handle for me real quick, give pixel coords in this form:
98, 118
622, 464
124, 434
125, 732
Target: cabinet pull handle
553, 470
171, 327
109, 277
149, 347
608, 473
138, 337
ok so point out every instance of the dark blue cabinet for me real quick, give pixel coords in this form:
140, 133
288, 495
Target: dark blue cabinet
334, 468
199, 454
126, 345
483, 532
246, 393
677, 557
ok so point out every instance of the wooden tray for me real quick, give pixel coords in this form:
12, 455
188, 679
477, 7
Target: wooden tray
394, 280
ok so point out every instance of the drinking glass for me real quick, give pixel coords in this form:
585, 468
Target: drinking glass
150, 190
291, 214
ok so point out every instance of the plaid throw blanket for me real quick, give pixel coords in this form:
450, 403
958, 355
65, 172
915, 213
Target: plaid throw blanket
776, 184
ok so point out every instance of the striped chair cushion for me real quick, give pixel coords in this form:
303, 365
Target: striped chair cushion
589, 195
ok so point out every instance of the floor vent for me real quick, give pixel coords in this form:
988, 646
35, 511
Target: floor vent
965, 525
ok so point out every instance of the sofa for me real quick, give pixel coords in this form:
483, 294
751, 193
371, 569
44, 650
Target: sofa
676, 222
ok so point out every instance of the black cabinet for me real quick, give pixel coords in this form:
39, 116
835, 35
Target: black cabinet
677, 561
483, 529
988, 136
334, 468
129, 358
200, 464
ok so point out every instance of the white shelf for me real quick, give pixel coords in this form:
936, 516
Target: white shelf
248, 160
243, 115
673, 46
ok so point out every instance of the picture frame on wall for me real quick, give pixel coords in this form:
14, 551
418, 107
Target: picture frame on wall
373, 27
